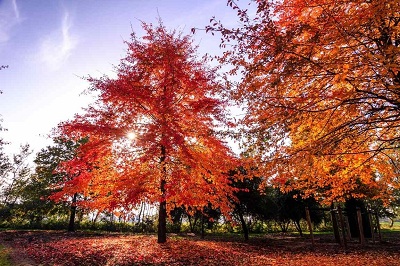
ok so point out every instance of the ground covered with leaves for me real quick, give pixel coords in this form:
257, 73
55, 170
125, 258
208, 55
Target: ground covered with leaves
60, 248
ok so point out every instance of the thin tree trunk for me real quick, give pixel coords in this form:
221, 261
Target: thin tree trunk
71, 225
202, 226
192, 223
310, 227
298, 227
335, 225
162, 214
284, 226
244, 226
140, 212
342, 227
162, 220
95, 218
391, 222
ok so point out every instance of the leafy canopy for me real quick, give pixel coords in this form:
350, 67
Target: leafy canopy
152, 130
321, 82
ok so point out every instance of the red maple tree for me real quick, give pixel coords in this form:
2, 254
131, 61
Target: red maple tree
152, 132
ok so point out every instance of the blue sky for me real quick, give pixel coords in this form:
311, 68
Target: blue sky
50, 44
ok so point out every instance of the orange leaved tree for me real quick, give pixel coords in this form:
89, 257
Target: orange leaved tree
152, 132
321, 86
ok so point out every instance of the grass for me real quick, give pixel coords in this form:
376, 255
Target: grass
4, 256
386, 226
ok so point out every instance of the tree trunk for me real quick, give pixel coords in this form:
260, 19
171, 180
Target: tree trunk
95, 218
162, 222
192, 222
71, 225
284, 225
202, 226
244, 226
335, 225
162, 214
140, 213
298, 227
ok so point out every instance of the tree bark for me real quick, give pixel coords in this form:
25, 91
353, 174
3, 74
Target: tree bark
202, 226
162, 222
298, 227
343, 228
244, 226
140, 213
310, 227
335, 225
162, 214
95, 218
71, 224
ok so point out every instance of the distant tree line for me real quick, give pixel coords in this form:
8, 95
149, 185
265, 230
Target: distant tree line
26, 203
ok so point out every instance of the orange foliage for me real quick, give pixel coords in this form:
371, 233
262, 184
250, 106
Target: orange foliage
321, 82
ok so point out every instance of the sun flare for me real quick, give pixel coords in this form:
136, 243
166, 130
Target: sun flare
131, 135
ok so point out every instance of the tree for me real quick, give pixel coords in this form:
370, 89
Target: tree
45, 181
291, 207
351, 207
176, 215
270, 203
152, 131
5, 164
251, 202
4, 159
5, 167
320, 85
14, 177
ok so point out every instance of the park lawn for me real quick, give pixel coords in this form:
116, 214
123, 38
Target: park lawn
386, 226
60, 248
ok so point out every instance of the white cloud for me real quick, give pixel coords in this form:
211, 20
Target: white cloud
56, 48
16, 10
9, 17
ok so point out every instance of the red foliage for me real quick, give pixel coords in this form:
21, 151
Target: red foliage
168, 98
